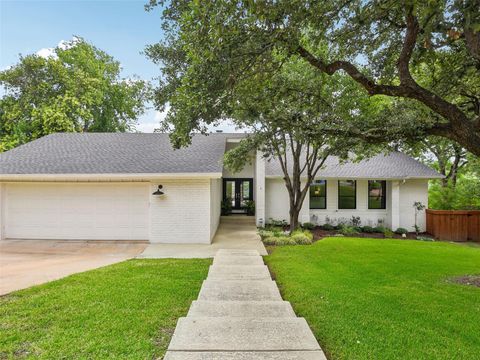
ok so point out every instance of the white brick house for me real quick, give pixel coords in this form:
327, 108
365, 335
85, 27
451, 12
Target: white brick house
105, 187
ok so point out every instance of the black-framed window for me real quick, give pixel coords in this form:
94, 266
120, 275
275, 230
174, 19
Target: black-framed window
347, 194
318, 194
377, 193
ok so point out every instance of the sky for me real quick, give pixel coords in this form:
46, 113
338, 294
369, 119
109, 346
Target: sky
122, 28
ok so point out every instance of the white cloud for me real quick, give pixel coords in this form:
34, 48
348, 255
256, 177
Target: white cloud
47, 53
62, 44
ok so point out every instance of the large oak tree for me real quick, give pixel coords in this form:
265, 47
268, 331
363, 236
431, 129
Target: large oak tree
77, 88
212, 45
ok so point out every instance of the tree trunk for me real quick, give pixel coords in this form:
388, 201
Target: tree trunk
294, 223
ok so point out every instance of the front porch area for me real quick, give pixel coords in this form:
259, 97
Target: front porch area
234, 232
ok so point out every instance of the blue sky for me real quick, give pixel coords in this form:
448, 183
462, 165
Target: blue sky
122, 28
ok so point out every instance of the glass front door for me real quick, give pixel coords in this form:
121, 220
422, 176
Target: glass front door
238, 192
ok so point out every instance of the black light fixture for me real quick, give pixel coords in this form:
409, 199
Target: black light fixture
158, 191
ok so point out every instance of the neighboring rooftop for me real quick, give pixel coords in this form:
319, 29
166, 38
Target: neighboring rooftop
127, 153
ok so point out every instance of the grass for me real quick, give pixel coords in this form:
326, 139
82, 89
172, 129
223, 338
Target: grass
383, 299
128, 310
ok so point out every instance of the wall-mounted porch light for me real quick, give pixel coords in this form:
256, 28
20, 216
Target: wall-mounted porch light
158, 191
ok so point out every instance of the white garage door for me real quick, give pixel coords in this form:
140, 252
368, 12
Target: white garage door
108, 211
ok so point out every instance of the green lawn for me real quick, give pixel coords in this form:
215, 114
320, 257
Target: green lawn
384, 299
127, 310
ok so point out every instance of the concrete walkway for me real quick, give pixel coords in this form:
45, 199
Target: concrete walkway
240, 314
234, 232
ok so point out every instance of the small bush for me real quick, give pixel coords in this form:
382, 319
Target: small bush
327, 227
355, 221
308, 225
281, 223
285, 240
265, 234
301, 239
388, 233
348, 230
306, 233
401, 231
272, 240
379, 229
367, 229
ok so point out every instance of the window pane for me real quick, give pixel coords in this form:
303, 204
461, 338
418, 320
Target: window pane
347, 194
376, 194
318, 194
375, 203
318, 203
346, 187
346, 203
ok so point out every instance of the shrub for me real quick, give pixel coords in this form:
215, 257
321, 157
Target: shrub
301, 239
401, 231
388, 233
265, 234
327, 227
379, 229
306, 233
226, 206
308, 225
285, 240
250, 204
355, 221
348, 230
368, 229
281, 223
272, 240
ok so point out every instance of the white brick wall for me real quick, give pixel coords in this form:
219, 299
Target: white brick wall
277, 204
367, 216
182, 215
411, 191
215, 205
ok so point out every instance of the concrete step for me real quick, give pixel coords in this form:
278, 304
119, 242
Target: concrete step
224, 259
235, 334
248, 355
242, 309
238, 272
236, 252
239, 290
238, 219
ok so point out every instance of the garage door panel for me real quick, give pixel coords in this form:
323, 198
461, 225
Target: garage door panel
78, 211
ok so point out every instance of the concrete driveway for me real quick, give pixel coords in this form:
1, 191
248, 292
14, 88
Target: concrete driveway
24, 263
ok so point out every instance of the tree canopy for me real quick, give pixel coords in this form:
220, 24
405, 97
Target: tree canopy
426, 52
293, 118
76, 89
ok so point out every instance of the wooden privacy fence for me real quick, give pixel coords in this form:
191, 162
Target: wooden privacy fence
454, 225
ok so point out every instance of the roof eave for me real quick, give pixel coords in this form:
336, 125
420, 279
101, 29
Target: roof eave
108, 177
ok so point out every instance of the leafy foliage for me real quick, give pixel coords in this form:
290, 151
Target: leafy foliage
76, 89
405, 51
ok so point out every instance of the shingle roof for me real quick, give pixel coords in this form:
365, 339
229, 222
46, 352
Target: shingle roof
114, 153
126, 153
395, 165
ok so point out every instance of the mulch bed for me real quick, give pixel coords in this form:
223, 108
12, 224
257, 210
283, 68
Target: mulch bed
472, 280
319, 234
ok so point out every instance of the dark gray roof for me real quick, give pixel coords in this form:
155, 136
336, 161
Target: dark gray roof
126, 153
114, 153
395, 165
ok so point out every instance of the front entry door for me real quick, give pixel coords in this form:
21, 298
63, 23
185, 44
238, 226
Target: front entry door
238, 192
